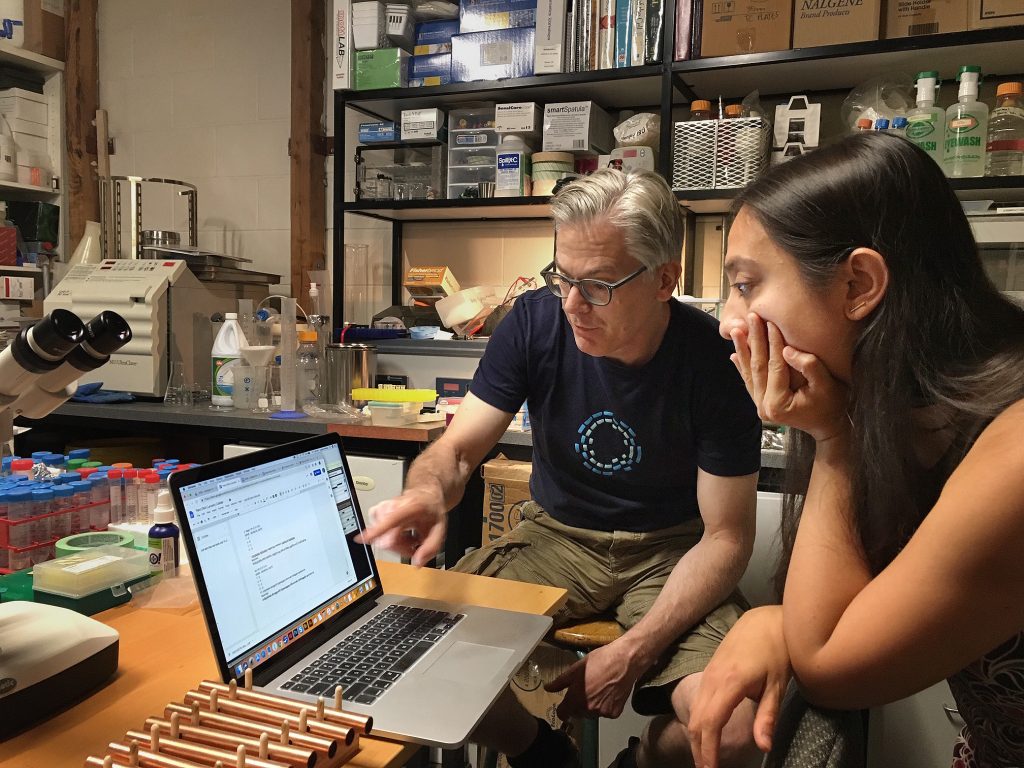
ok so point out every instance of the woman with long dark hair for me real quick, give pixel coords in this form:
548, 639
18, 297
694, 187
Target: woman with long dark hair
863, 320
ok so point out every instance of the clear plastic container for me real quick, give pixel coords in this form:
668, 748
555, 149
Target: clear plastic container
84, 573
308, 368
63, 503
1005, 151
42, 505
393, 414
116, 494
81, 518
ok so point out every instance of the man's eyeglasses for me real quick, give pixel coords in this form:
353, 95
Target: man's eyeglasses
596, 292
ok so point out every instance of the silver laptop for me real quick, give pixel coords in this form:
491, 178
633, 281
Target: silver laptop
287, 592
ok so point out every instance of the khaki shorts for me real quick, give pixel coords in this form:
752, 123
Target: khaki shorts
615, 574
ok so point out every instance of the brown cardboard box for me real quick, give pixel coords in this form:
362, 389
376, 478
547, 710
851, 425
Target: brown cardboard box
833, 22
985, 14
430, 283
544, 665
506, 489
906, 18
44, 27
745, 26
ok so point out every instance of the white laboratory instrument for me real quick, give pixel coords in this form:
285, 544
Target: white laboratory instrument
49, 657
168, 309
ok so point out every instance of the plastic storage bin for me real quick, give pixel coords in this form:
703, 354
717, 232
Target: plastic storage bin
92, 580
392, 172
393, 414
472, 148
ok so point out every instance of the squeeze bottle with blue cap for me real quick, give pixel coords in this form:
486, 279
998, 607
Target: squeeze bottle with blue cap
164, 538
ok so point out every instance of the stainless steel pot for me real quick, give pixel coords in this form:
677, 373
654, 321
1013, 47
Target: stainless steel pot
349, 366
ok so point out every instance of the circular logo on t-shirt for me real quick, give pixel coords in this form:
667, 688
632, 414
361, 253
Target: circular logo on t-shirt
607, 444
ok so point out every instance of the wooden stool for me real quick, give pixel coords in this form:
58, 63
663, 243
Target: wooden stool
581, 639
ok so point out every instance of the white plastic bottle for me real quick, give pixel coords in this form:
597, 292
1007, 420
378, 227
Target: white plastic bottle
513, 177
1005, 151
926, 123
225, 358
966, 129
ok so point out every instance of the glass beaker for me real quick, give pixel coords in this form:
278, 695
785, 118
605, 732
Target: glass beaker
357, 283
178, 393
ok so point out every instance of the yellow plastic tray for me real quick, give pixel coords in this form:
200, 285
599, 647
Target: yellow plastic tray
395, 395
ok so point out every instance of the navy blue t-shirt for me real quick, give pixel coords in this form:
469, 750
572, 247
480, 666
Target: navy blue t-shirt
617, 447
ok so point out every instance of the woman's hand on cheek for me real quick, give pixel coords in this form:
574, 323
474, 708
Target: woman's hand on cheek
788, 386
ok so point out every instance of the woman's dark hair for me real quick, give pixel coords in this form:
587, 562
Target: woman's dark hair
942, 336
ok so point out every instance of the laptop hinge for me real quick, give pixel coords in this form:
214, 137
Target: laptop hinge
264, 673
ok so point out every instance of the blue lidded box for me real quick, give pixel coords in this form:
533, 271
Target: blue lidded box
370, 133
435, 36
494, 54
481, 15
435, 69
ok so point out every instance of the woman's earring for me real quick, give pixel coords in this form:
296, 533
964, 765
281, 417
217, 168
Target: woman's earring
851, 312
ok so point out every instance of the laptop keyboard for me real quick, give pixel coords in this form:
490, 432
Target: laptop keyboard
373, 658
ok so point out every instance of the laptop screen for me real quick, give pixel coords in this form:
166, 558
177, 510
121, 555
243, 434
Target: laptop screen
275, 546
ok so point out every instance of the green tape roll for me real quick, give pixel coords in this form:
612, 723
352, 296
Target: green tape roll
80, 541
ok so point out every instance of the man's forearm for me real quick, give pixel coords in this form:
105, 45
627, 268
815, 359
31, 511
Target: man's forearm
700, 581
440, 471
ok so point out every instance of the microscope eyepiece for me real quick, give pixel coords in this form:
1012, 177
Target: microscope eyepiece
106, 333
57, 333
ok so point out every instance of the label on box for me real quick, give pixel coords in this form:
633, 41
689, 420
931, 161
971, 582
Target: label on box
497, 54
421, 123
573, 126
91, 565
470, 139
522, 117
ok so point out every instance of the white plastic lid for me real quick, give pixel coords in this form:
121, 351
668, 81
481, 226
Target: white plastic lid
230, 315
164, 512
513, 140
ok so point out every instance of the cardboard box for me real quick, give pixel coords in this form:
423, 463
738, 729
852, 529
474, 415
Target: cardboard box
730, 27
430, 283
434, 69
370, 133
340, 48
492, 55
548, 55
382, 68
985, 14
826, 22
19, 104
521, 117
482, 15
577, 126
906, 18
506, 489
44, 27
422, 124
17, 288
435, 36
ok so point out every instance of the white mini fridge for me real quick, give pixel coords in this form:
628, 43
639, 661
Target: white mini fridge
376, 478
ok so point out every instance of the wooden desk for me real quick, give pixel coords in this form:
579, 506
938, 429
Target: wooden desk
165, 652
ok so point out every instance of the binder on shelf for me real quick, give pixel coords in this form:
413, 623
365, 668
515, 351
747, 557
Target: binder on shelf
655, 22
638, 41
623, 29
549, 44
606, 34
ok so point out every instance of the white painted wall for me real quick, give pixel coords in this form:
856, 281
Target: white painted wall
198, 90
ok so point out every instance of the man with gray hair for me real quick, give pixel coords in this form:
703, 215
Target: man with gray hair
646, 450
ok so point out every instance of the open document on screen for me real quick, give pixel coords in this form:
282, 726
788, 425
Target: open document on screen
271, 540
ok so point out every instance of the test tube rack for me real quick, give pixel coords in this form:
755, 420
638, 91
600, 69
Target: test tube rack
232, 726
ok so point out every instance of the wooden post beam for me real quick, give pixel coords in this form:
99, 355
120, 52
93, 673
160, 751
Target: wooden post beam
81, 100
308, 168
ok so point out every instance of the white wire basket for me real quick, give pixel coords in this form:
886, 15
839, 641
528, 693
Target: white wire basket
719, 154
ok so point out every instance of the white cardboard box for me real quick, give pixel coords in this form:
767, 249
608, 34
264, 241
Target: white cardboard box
522, 117
340, 50
577, 126
17, 103
421, 124
22, 288
550, 37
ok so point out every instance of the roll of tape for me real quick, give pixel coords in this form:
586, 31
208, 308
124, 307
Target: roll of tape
79, 541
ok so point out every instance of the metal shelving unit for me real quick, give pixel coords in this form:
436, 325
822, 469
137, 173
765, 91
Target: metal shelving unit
660, 87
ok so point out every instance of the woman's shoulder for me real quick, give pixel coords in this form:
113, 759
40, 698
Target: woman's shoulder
1001, 439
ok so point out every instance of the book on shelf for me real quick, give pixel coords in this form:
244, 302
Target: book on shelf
655, 22
638, 41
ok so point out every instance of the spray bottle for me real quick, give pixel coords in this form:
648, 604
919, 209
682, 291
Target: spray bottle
164, 538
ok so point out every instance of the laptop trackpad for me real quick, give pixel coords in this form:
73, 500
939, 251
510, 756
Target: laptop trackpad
469, 661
